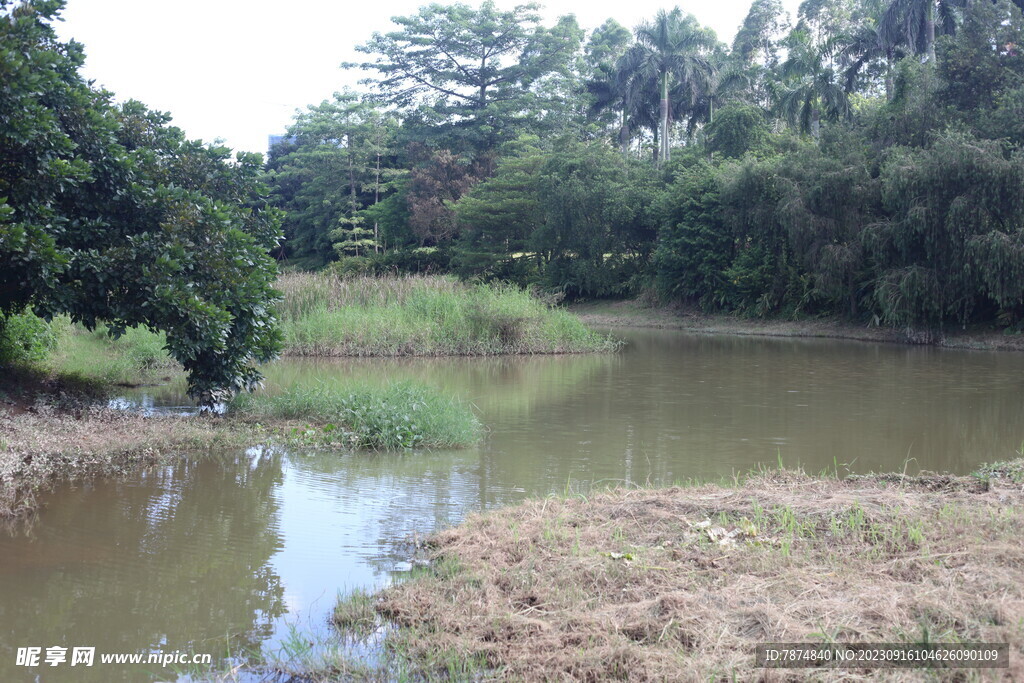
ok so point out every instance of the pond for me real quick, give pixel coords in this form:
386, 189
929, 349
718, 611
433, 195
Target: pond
239, 551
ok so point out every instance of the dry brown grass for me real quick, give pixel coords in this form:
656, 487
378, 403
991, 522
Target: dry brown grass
681, 583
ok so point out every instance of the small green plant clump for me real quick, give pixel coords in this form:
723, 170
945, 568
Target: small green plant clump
394, 417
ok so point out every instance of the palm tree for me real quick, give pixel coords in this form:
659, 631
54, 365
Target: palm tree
619, 87
812, 85
673, 53
869, 44
730, 84
913, 22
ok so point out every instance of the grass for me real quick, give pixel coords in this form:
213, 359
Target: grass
355, 613
137, 357
681, 583
324, 315
401, 415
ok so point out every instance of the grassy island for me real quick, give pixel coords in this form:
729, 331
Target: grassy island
325, 315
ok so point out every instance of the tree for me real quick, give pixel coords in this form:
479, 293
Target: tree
982, 70
867, 45
499, 215
757, 40
109, 214
675, 51
338, 163
694, 246
595, 229
827, 19
434, 187
812, 85
913, 22
619, 86
607, 43
952, 244
577, 215
478, 69
736, 130
352, 239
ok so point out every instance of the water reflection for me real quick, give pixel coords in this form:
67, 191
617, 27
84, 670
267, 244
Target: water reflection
144, 564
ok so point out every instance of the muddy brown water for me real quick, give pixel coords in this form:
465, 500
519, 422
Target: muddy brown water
243, 550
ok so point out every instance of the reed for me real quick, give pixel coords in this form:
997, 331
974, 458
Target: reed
416, 315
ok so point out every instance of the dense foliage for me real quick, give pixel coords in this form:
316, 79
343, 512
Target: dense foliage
861, 159
109, 214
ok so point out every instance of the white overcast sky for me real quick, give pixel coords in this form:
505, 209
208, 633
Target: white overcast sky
237, 70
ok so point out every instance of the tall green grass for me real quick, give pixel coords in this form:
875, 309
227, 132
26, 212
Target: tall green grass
324, 315
395, 416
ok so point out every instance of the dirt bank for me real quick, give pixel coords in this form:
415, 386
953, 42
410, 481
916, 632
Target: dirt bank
631, 313
681, 583
43, 443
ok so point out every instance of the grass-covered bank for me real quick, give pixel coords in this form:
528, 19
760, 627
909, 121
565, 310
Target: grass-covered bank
55, 428
640, 313
78, 356
325, 315
681, 583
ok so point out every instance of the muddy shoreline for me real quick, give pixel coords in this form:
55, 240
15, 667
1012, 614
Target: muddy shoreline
632, 313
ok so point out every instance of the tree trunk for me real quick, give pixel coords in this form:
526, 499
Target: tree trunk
929, 31
624, 135
664, 118
815, 123
351, 178
376, 200
852, 293
483, 85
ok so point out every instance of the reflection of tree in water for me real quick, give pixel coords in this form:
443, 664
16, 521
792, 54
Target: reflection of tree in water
704, 406
173, 559
500, 386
